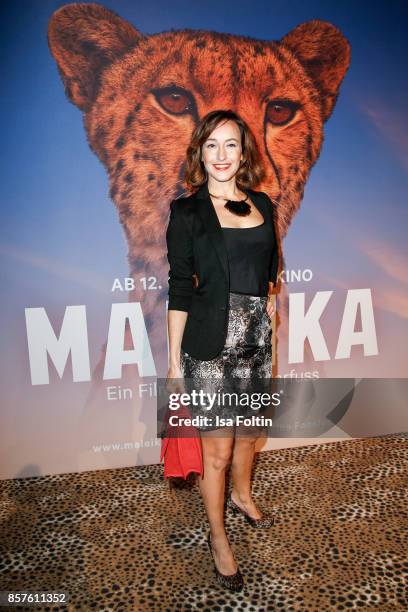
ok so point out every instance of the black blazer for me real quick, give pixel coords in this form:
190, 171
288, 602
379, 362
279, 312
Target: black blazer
195, 245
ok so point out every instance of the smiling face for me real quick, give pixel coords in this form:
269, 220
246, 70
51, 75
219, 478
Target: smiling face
221, 153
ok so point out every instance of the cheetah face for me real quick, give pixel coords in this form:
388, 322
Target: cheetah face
142, 95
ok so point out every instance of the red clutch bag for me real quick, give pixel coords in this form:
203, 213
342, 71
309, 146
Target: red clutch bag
182, 454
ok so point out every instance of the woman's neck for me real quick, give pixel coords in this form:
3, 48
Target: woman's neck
224, 189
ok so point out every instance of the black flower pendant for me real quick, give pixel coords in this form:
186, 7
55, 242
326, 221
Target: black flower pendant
240, 208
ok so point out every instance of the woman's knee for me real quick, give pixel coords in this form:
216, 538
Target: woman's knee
219, 455
246, 440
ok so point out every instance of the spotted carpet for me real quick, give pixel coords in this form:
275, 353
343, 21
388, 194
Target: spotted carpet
124, 540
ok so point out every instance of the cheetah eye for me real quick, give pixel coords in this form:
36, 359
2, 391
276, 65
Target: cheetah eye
280, 112
175, 100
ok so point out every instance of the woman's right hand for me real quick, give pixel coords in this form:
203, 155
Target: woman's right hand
175, 380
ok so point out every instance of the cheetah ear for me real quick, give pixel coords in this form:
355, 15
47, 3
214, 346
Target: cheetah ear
84, 39
325, 54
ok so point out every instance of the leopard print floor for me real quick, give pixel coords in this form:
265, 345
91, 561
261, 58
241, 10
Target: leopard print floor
123, 540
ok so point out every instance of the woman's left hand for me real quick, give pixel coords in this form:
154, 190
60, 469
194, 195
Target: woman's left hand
271, 306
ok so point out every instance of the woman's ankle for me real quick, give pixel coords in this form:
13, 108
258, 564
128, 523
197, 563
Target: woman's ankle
219, 536
244, 498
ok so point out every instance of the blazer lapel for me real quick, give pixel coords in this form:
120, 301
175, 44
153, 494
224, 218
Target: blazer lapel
206, 211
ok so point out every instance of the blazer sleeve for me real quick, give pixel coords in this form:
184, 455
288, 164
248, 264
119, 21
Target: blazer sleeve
274, 266
180, 258
274, 262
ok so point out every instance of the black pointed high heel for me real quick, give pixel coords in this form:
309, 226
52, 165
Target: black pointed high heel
265, 522
233, 582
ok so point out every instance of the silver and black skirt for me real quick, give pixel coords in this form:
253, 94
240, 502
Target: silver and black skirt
243, 366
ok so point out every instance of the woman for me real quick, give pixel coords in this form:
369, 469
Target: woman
219, 327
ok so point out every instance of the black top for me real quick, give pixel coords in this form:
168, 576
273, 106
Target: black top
249, 254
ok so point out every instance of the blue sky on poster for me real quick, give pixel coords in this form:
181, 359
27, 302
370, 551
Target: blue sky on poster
355, 198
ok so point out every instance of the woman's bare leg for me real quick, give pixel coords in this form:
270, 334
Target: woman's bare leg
242, 460
217, 453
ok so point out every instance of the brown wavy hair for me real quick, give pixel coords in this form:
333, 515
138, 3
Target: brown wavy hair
251, 171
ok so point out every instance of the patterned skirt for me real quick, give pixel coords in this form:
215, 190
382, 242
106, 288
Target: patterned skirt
243, 366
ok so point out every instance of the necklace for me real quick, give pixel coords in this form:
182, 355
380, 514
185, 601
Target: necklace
237, 207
